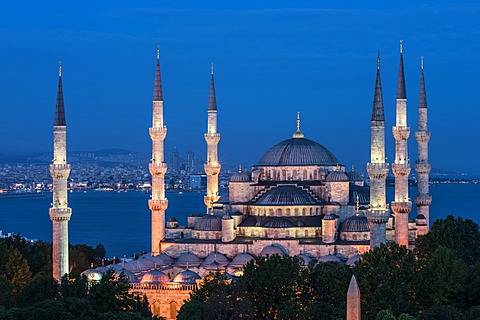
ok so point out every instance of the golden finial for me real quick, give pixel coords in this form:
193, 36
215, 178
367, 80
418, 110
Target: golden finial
401, 46
358, 204
421, 62
60, 68
298, 133
158, 51
212, 68
378, 59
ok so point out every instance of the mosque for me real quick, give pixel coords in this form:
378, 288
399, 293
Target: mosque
298, 200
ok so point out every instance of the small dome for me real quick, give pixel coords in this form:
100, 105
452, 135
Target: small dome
172, 219
134, 266
297, 151
306, 259
188, 259
214, 266
354, 176
356, 223
241, 260
329, 257
186, 277
226, 216
92, 274
209, 222
154, 276
116, 267
240, 176
421, 217
329, 217
272, 249
146, 262
277, 222
215, 257
351, 261
286, 195
131, 277
162, 260
336, 176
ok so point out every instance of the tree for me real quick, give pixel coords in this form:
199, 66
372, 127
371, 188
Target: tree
330, 281
443, 313
385, 315
386, 278
460, 235
40, 289
14, 268
100, 251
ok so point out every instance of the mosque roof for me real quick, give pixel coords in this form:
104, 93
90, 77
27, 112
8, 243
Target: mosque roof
356, 223
329, 257
297, 151
286, 195
329, 217
240, 176
215, 257
277, 222
128, 274
154, 276
186, 277
273, 249
92, 274
336, 176
162, 260
188, 259
241, 260
294, 221
354, 176
363, 194
209, 222
305, 258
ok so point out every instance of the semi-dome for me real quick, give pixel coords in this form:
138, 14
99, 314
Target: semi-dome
154, 276
305, 259
277, 222
329, 257
209, 222
336, 176
215, 257
272, 249
356, 223
186, 277
188, 259
241, 260
92, 274
297, 151
286, 195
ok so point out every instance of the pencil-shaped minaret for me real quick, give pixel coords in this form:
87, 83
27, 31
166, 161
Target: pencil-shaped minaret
60, 212
212, 137
401, 168
377, 168
423, 200
158, 167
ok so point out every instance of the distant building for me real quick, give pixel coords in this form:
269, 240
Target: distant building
175, 160
190, 165
198, 181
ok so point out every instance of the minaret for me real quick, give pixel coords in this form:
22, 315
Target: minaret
377, 168
423, 200
158, 167
401, 168
212, 137
60, 213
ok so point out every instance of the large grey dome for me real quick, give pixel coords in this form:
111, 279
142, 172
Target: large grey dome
209, 223
297, 151
286, 195
356, 223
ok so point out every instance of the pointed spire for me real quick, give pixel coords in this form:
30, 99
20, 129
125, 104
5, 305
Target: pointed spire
401, 92
240, 169
378, 113
353, 300
422, 99
157, 86
212, 99
298, 133
59, 119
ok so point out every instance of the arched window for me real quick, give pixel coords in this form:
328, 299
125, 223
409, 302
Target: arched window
311, 211
354, 237
173, 310
304, 174
296, 211
279, 212
315, 175
306, 233
288, 211
304, 211
156, 308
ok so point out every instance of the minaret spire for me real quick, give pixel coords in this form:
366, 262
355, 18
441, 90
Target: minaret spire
158, 167
423, 200
401, 168
377, 168
212, 137
60, 213
298, 133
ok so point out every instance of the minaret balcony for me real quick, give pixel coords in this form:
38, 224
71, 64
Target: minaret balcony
60, 214
423, 200
378, 170
157, 169
401, 207
423, 168
377, 216
158, 205
158, 133
212, 168
60, 171
212, 138
422, 136
401, 169
401, 132
210, 200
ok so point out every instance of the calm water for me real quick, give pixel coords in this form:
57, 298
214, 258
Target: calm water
121, 221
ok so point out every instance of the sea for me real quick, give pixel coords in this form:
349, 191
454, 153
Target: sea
121, 220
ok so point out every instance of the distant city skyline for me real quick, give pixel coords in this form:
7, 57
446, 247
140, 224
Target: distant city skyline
272, 59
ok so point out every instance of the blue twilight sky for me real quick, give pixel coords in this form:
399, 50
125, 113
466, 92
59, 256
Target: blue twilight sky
272, 59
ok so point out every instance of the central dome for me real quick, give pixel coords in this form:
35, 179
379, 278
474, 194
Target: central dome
297, 151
